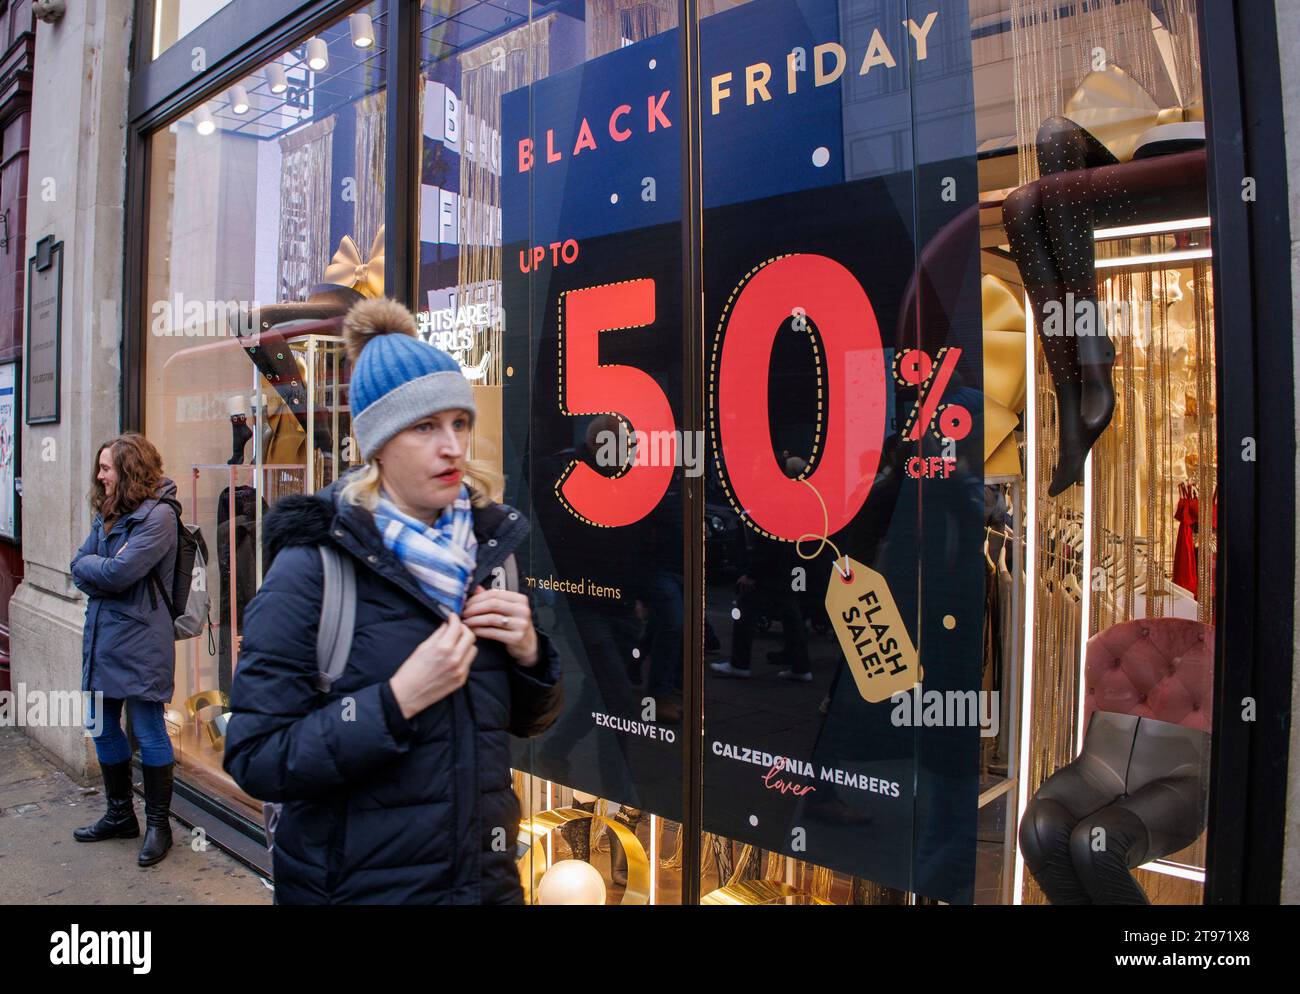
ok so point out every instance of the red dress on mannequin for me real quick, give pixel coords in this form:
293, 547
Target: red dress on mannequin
1185, 541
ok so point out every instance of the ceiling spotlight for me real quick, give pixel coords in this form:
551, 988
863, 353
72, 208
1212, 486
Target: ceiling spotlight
239, 99
363, 31
203, 122
318, 56
276, 78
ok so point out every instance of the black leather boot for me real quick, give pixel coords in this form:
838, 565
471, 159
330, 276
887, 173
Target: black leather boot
119, 822
157, 814
577, 833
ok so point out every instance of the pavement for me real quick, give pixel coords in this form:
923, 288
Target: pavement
40, 862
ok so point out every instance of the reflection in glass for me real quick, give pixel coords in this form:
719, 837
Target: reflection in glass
265, 223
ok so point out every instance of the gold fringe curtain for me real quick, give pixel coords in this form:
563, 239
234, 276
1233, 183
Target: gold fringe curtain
506, 63
1056, 43
304, 249
1163, 435
371, 142
614, 21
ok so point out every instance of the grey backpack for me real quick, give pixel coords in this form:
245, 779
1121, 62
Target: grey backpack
338, 615
185, 592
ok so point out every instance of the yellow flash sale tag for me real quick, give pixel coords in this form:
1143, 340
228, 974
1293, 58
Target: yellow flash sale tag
872, 635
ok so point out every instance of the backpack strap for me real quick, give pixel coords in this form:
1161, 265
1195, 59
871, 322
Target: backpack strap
338, 615
153, 573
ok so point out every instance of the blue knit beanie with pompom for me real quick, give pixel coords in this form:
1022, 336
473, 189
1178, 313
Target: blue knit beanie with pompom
397, 379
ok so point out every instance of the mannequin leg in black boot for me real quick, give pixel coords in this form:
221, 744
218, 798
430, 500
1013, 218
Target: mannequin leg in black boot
157, 810
120, 821
577, 834
240, 433
630, 817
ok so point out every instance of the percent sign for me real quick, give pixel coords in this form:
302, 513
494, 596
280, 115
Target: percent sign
912, 367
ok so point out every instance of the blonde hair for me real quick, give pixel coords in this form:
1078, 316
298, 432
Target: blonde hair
363, 489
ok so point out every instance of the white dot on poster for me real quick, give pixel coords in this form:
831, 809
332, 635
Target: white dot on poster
735, 613
821, 155
636, 653
753, 819
653, 63
613, 198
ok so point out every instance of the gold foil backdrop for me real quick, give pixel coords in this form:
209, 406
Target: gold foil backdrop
1162, 436
618, 22
371, 133
304, 247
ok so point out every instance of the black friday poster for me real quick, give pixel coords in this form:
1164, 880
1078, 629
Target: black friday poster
819, 143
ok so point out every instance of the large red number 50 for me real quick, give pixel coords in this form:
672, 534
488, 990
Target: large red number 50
587, 387
853, 417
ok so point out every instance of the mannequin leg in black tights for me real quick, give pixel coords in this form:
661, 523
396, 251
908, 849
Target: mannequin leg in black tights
1050, 226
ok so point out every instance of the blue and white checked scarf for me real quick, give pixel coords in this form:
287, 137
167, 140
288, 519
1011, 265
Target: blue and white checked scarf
440, 556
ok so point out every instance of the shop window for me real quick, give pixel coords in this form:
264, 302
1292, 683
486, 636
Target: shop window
958, 455
266, 217
1023, 519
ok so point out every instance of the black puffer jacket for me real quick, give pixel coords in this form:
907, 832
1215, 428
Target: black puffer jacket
378, 808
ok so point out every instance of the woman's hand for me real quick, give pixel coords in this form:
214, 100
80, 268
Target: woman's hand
506, 617
438, 667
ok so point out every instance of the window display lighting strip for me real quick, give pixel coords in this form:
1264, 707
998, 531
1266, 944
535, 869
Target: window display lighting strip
1151, 260
1175, 870
1155, 228
654, 857
1027, 662
550, 836
1085, 605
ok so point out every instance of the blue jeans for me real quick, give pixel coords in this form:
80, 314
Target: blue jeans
111, 745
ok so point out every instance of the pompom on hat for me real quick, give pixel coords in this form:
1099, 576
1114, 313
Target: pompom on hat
397, 379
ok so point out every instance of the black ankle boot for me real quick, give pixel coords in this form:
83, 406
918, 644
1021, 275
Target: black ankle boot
119, 822
157, 814
630, 817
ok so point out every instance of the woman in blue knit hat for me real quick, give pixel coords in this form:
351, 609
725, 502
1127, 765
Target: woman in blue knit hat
395, 782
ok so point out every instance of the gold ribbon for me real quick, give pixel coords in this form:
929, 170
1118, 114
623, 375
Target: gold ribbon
1117, 111
761, 892
1004, 375
348, 269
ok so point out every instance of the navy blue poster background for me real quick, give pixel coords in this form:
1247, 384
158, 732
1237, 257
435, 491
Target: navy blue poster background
876, 171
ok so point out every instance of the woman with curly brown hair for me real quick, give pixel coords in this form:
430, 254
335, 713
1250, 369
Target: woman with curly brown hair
128, 654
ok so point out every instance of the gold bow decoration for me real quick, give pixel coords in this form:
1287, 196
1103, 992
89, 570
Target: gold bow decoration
348, 269
1117, 111
1004, 375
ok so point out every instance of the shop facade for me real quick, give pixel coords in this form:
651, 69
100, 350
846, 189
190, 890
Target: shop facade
902, 394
